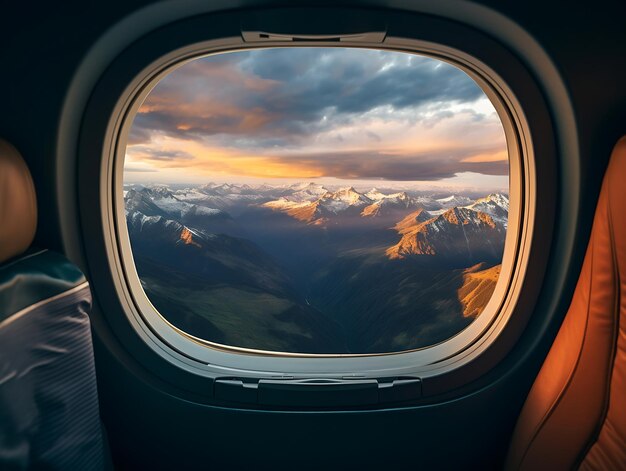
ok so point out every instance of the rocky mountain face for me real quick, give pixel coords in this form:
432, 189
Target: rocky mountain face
461, 234
495, 205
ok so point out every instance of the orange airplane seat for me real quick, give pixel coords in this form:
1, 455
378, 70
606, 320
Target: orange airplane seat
575, 414
49, 416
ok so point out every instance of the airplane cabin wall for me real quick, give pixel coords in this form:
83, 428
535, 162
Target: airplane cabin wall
42, 46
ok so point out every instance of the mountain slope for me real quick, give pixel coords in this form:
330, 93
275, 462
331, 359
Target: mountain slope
459, 233
388, 204
478, 286
319, 270
412, 220
225, 289
389, 305
215, 256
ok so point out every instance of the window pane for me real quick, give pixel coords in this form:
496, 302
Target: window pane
317, 200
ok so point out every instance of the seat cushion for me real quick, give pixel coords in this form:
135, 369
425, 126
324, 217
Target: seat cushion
575, 414
18, 203
49, 415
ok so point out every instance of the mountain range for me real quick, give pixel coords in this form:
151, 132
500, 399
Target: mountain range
314, 269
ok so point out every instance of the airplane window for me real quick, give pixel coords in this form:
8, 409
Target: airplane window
317, 200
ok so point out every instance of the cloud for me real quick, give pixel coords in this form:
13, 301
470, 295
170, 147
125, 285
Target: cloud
427, 166
158, 154
139, 135
354, 80
131, 169
319, 112
282, 96
496, 155
373, 135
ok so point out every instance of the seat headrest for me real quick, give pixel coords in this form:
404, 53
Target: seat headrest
18, 203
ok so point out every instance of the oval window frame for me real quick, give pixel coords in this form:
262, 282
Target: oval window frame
237, 358
440, 373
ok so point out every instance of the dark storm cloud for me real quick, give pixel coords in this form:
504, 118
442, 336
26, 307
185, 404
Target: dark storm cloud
355, 81
277, 97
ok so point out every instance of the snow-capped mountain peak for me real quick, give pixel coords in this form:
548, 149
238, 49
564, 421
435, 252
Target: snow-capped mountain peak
348, 195
342, 199
495, 205
374, 194
160, 201
396, 197
388, 204
454, 200
500, 199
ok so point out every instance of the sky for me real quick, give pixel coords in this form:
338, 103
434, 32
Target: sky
330, 115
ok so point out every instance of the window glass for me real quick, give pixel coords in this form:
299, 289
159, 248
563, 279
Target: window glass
317, 200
